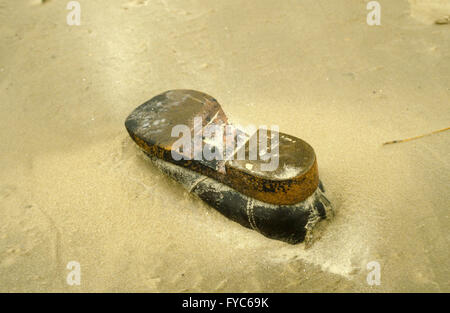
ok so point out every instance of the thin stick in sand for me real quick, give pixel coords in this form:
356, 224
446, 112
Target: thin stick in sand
416, 137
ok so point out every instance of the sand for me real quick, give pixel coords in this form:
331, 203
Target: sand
73, 186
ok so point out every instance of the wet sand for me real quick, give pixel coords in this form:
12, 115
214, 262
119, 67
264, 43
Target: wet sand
74, 187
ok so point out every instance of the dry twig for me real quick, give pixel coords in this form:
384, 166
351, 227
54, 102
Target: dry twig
416, 137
